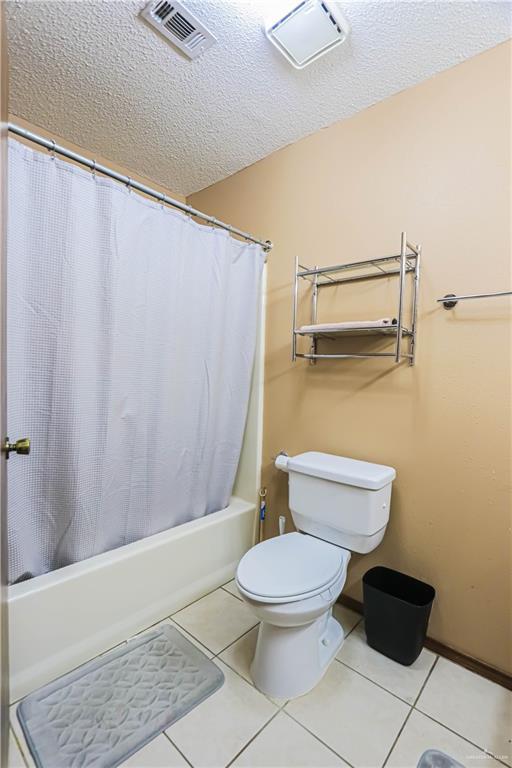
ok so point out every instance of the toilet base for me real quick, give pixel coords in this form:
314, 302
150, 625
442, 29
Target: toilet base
290, 661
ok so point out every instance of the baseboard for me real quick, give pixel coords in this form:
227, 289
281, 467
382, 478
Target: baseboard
484, 670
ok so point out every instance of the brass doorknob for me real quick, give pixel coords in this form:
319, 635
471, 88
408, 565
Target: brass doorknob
21, 446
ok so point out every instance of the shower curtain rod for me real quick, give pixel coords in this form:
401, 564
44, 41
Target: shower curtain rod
132, 184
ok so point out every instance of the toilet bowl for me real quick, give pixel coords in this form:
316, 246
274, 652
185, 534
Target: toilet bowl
291, 583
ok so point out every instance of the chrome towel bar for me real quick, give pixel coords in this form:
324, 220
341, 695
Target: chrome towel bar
450, 300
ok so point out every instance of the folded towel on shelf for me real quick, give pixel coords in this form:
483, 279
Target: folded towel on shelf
333, 327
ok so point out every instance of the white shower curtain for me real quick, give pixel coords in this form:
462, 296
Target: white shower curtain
131, 338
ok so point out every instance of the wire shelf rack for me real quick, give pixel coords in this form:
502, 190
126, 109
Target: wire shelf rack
401, 265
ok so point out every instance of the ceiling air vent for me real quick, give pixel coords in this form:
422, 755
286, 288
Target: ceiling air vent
179, 26
309, 30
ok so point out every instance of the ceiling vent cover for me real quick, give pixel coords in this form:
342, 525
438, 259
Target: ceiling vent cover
179, 26
309, 30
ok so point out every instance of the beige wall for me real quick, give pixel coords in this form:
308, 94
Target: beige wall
434, 160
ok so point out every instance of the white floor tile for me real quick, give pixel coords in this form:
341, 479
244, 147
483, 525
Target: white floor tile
14, 757
283, 743
232, 588
472, 706
213, 733
16, 727
159, 753
150, 628
172, 623
346, 617
342, 710
422, 733
403, 681
240, 654
354, 717
195, 642
239, 657
216, 620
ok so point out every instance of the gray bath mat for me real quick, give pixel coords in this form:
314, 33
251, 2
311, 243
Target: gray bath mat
107, 709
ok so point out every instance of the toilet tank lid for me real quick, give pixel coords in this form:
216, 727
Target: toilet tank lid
339, 469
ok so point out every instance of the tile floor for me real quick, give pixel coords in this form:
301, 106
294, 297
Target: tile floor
367, 712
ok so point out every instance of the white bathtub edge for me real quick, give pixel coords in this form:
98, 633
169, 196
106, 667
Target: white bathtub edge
62, 619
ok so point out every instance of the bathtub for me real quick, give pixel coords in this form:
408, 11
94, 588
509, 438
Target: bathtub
61, 619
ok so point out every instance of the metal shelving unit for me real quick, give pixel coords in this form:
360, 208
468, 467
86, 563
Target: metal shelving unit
400, 265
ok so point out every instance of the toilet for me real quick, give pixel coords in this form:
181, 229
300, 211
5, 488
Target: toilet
291, 582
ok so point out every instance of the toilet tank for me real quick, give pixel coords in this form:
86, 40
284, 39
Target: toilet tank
340, 500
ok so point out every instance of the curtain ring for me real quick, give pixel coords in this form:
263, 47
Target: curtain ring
52, 150
162, 198
129, 184
94, 168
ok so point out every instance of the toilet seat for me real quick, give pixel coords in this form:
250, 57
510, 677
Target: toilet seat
290, 568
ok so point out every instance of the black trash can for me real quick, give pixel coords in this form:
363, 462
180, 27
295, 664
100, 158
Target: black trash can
396, 612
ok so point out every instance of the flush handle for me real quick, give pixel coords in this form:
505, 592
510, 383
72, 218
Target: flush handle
21, 446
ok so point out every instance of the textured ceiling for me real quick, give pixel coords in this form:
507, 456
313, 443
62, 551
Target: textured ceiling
95, 74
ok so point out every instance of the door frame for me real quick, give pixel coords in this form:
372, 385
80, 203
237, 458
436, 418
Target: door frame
4, 659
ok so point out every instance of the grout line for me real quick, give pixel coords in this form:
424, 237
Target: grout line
236, 641
369, 679
318, 739
229, 591
146, 629
323, 743
175, 747
178, 626
249, 682
236, 672
14, 736
426, 681
464, 738
26, 754
190, 637
198, 599
411, 710
350, 630
398, 736
201, 642
252, 739
170, 617
438, 722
